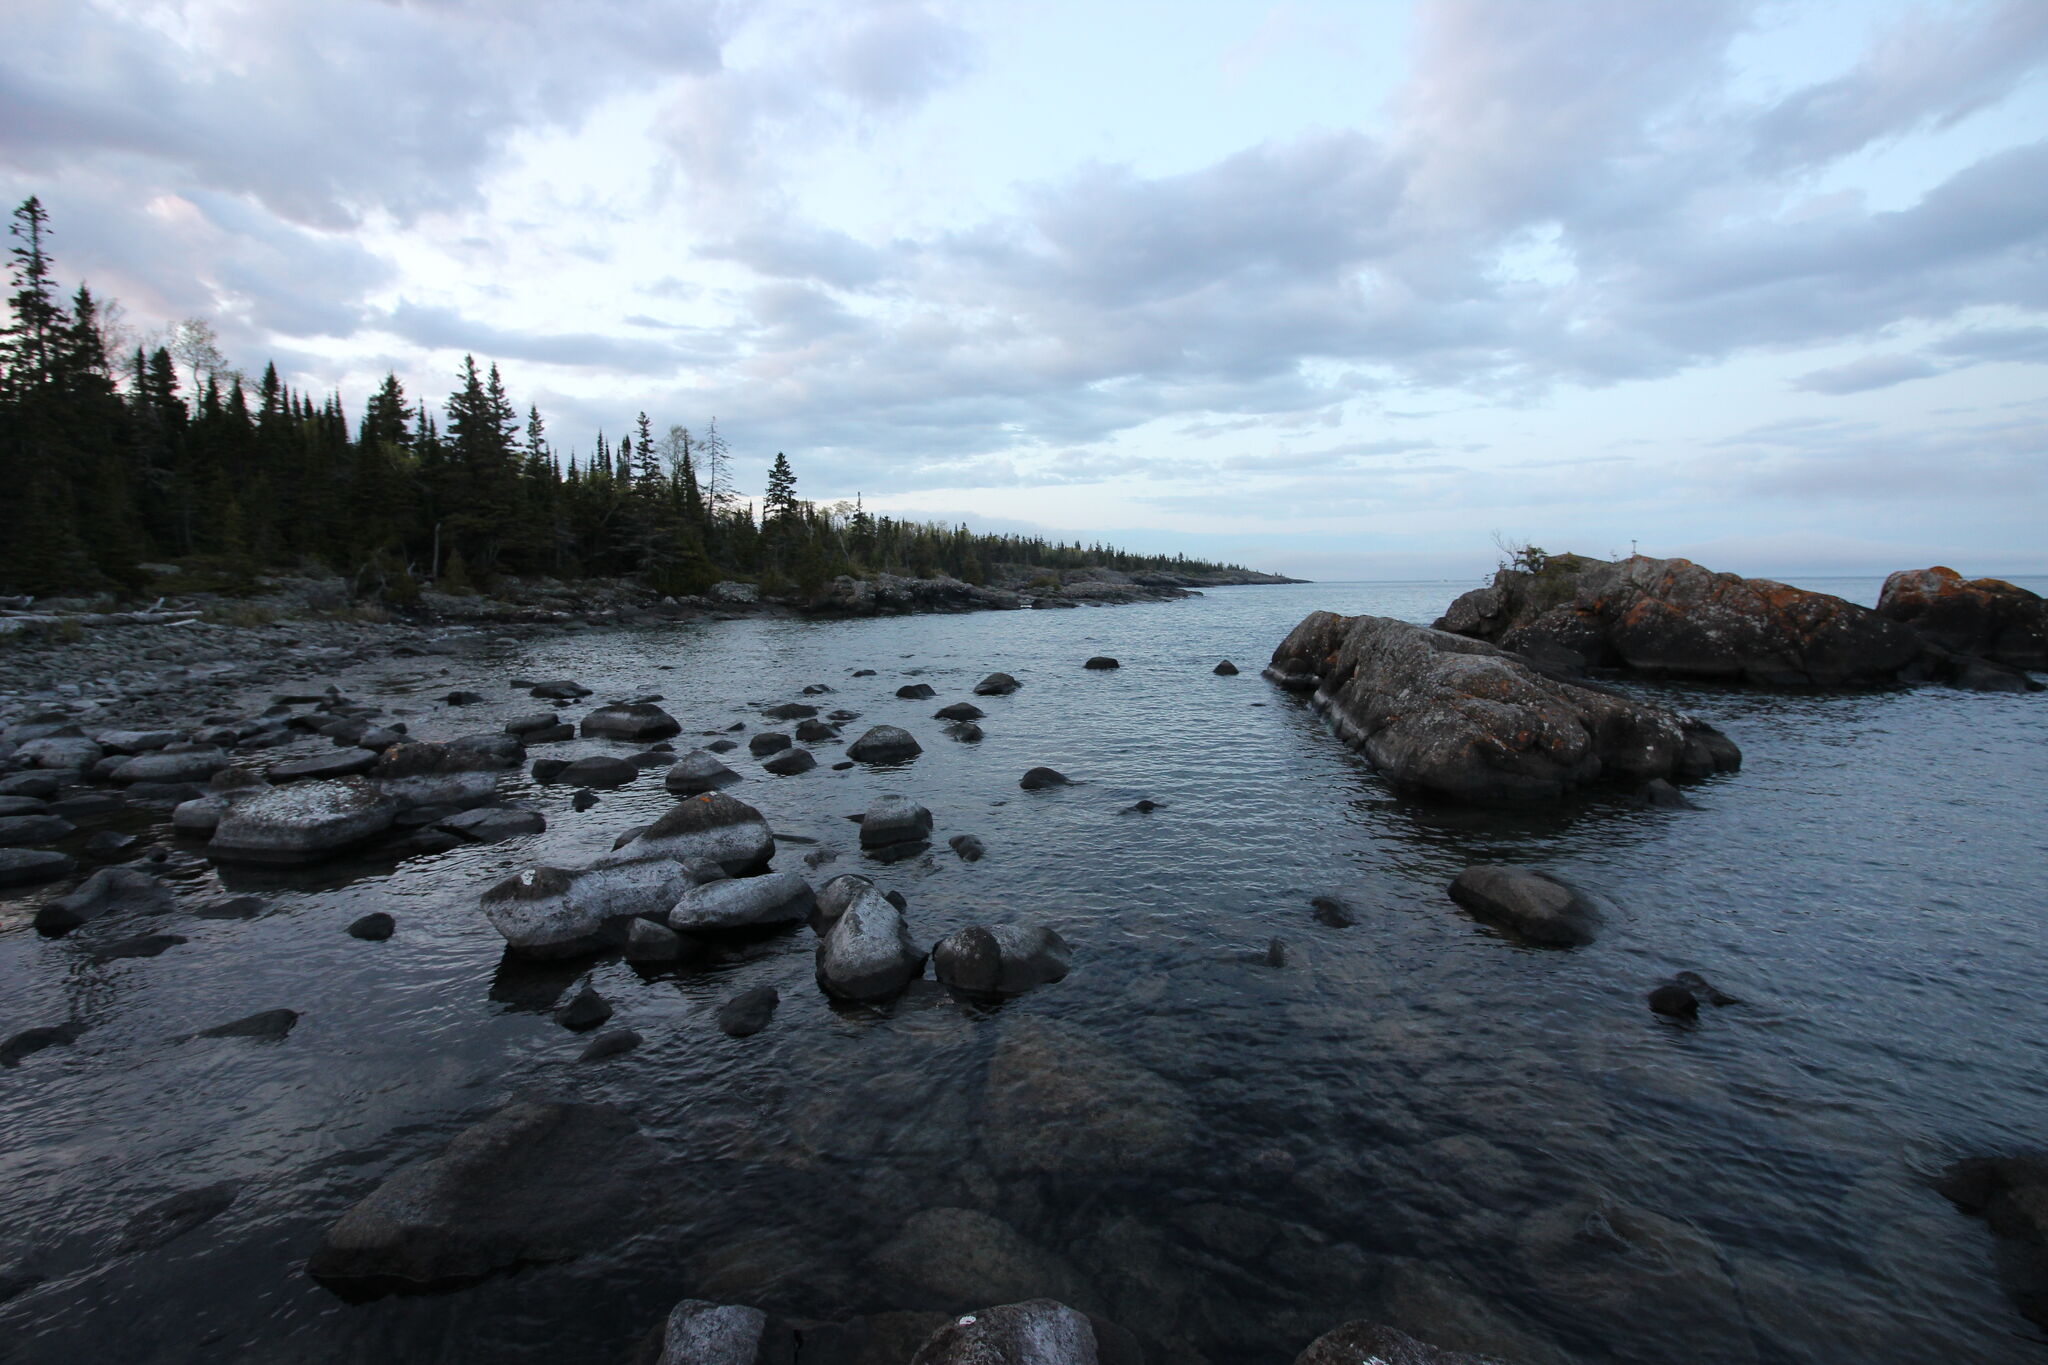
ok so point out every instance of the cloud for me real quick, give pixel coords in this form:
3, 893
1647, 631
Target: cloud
1871, 372
444, 329
2021, 344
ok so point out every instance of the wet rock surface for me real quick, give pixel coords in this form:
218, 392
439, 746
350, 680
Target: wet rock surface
1535, 905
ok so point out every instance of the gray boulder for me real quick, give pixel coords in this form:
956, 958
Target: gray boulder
636, 720
560, 912
791, 710
834, 896
491, 824
1063, 1102
698, 771
816, 731
713, 828
135, 741
1460, 719
526, 725
702, 1333
59, 752
28, 866
790, 762
303, 822
560, 690
111, 890
959, 710
884, 744
894, 820
460, 772
767, 742
1007, 959
16, 830
741, 902
537, 1181
598, 770
1535, 905
996, 685
1034, 1332
867, 953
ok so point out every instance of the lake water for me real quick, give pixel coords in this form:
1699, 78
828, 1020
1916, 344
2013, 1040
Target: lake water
1412, 1119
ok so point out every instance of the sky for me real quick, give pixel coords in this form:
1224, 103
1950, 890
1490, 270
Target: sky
1343, 290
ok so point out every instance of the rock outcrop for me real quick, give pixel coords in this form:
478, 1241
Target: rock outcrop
1456, 718
1671, 618
1985, 617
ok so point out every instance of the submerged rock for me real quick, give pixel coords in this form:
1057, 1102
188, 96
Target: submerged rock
303, 822
959, 710
917, 692
1226, 669
562, 689
584, 1011
1456, 718
647, 941
884, 744
996, 685
969, 847
494, 824
1008, 959
867, 954
171, 1218
269, 1025
537, 1181
747, 1013
28, 866
1673, 1002
1333, 912
956, 1259
790, 710
767, 742
1102, 662
713, 828
612, 1043
1060, 1101
1037, 779
1534, 904
790, 762
2011, 1194
31, 1041
374, 927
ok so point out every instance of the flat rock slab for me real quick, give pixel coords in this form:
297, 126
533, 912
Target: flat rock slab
302, 822
491, 824
537, 1181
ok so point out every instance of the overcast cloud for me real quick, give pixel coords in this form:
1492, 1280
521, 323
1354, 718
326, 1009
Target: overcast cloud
1351, 286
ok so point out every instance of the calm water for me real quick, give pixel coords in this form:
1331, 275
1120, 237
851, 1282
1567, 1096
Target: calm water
1413, 1119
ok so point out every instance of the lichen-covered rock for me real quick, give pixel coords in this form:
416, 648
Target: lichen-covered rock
303, 822
1457, 718
713, 828
537, 1181
1986, 617
867, 953
630, 720
560, 912
1672, 618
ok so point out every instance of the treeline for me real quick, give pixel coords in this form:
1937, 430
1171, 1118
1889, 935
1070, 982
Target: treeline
109, 461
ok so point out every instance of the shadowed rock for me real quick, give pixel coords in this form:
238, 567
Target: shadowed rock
959, 710
31, 1041
1987, 617
637, 721
1673, 1002
747, 1013
996, 685
1445, 716
1037, 779
790, 762
1008, 959
1226, 669
33, 829
374, 927
169, 1219
1378, 1344
584, 1011
28, 866
884, 744
109, 891
269, 1025
956, 1259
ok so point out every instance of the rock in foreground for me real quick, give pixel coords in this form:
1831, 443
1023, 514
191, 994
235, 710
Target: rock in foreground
1463, 720
1008, 959
303, 822
884, 744
1382, 1345
867, 953
713, 828
560, 912
2011, 1194
537, 1181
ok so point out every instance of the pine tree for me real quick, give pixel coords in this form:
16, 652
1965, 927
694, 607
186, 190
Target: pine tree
780, 503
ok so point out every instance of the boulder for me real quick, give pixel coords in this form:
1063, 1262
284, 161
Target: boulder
492, 824
553, 734
767, 742
612, 1043
16, 830
1533, 904
109, 891
59, 752
867, 953
894, 820
1382, 1345
1673, 1002
917, 692
834, 896
1035, 1332
966, 731
636, 721
598, 770
712, 828
191, 765
884, 744
1986, 617
996, 685
562, 689
698, 771
135, 741
584, 1011
463, 698
1102, 662
1038, 779
461, 772
1008, 959
1672, 618
526, 725
790, 762
340, 763
815, 731
790, 710
1445, 716
303, 822
1332, 911
558, 912
747, 1013
1226, 669
969, 847
374, 927
537, 1181
647, 941
742, 902
698, 1332
959, 710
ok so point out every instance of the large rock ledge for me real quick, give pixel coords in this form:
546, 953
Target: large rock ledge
1442, 715
1671, 618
